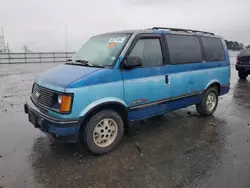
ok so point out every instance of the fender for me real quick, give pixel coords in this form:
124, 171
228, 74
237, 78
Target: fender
212, 82
101, 101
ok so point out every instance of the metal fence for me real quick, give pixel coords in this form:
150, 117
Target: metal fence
42, 57
47, 57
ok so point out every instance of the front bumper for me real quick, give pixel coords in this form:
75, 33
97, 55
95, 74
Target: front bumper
243, 67
64, 130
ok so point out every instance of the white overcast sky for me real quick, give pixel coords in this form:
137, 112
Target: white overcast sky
40, 24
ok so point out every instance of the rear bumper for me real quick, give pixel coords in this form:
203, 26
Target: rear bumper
245, 68
63, 130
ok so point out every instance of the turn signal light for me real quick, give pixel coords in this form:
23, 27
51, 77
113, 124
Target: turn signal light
66, 103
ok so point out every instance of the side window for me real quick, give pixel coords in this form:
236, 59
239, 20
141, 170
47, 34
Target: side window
184, 49
149, 50
213, 49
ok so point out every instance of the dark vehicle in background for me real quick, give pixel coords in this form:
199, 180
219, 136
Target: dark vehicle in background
243, 63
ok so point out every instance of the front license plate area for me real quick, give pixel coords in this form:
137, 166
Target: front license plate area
34, 120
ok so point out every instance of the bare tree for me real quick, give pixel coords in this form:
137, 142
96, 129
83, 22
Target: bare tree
26, 49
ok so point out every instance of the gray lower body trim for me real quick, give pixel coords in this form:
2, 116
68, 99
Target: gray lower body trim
163, 101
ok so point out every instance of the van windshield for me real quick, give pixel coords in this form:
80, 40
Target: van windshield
101, 50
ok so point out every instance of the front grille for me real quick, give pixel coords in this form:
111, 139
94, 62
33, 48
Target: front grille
42, 95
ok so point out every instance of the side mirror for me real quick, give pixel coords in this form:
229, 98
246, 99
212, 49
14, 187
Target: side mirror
131, 62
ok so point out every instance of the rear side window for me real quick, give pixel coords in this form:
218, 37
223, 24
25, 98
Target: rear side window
184, 49
213, 49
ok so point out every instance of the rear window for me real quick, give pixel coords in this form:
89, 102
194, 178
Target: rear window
184, 49
213, 49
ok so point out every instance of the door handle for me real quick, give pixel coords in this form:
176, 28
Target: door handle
167, 80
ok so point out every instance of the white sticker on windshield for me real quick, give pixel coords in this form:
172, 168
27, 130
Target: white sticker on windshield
117, 40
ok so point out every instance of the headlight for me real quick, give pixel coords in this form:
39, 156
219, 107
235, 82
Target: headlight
59, 99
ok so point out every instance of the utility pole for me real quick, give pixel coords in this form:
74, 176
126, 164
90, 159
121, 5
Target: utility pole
2, 42
7, 48
66, 38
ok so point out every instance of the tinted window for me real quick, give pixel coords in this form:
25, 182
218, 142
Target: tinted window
213, 49
149, 50
184, 49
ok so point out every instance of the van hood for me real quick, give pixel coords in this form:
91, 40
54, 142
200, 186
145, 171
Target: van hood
60, 76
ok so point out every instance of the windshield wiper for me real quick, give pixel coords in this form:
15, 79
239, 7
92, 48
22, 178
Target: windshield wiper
89, 64
84, 62
98, 66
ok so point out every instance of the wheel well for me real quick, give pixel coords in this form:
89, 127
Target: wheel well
216, 85
117, 107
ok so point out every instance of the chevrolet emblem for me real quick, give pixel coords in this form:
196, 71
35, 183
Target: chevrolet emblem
37, 95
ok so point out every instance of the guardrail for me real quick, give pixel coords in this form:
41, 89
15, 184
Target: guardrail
47, 57
31, 57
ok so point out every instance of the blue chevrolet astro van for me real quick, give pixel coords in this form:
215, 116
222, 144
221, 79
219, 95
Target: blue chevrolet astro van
125, 76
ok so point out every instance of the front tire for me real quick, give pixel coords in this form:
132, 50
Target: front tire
242, 75
208, 103
103, 132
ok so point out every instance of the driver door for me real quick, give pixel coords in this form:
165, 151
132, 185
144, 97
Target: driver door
146, 88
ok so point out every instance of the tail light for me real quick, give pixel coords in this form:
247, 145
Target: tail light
237, 60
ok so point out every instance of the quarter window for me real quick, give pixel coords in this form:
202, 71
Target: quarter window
184, 49
213, 49
149, 50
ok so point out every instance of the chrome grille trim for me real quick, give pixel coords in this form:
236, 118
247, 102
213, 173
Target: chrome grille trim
42, 95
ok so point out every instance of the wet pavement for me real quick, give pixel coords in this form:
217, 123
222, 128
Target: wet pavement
180, 149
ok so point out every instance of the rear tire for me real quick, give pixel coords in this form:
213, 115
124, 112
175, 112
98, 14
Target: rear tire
209, 102
103, 132
242, 75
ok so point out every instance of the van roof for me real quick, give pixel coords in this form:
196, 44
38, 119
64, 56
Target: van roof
164, 29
